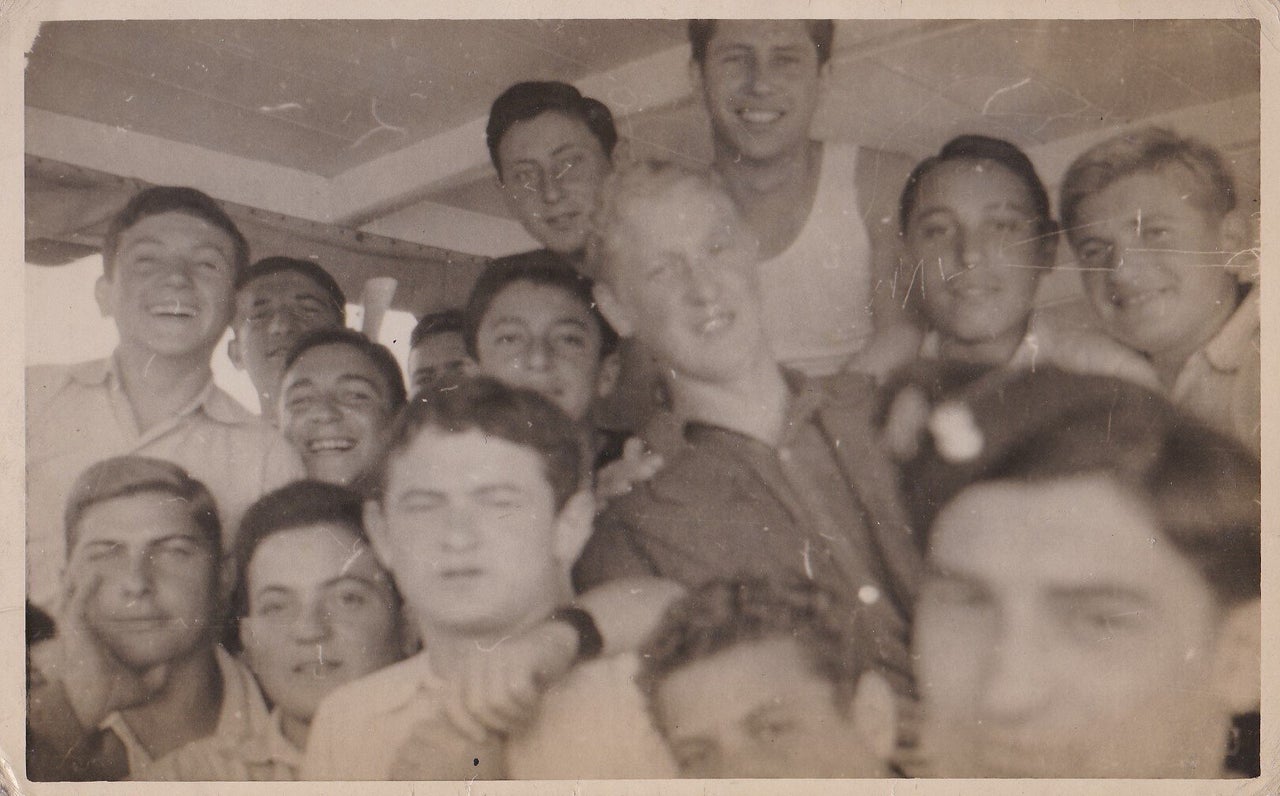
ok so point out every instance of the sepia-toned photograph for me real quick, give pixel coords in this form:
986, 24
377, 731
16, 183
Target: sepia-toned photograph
721, 399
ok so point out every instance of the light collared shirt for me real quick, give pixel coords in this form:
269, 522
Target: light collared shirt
591, 725
243, 714
1221, 384
79, 414
259, 757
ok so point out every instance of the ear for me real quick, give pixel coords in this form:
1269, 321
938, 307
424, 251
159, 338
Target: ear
1236, 238
1237, 659
613, 309
573, 527
233, 352
607, 376
102, 295
875, 715
375, 526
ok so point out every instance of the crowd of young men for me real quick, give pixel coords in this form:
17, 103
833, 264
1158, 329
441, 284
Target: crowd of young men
686, 492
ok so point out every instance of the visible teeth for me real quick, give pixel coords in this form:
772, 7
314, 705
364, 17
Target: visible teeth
759, 117
320, 445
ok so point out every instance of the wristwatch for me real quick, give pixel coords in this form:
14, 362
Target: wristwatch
590, 643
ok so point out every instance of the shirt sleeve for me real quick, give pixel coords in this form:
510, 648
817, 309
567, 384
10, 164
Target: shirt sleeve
612, 552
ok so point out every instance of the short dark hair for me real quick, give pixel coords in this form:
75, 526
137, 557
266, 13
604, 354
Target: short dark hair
125, 476
1201, 487
443, 322
722, 614
517, 415
822, 32
322, 278
539, 267
294, 505
1146, 150
533, 98
981, 147
291, 506
172, 199
378, 354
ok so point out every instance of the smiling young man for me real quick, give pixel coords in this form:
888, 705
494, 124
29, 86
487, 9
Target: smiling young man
823, 212
279, 299
170, 261
340, 392
781, 476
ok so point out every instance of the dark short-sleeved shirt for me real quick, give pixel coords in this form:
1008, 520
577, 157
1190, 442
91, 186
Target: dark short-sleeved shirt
822, 505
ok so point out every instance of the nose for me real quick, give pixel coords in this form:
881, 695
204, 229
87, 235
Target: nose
538, 354
282, 322
971, 246
551, 189
137, 578
759, 78
323, 410
703, 284
1018, 679
460, 533
312, 624
1126, 267
177, 274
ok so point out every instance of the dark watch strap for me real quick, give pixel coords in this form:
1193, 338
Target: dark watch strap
590, 643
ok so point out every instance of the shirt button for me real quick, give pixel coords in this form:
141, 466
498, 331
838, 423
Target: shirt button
868, 594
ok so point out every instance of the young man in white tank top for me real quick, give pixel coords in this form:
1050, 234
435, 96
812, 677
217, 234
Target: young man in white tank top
823, 212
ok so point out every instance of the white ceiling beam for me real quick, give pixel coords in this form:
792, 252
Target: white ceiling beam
453, 228
160, 161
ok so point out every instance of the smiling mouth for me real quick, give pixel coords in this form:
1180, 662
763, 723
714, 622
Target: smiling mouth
1129, 301
716, 322
171, 310
758, 116
330, 445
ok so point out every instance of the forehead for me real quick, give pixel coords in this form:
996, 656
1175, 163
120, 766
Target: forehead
439, 344
282, 286
740, 680
137, 519
441, 460
309, 555
676, 214
1075, 532
543, 135
537, 303
759, 32
325, 364
176, 230
973, 182
1171, 190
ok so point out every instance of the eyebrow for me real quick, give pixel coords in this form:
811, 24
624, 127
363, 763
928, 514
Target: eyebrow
1106, 591
154, 241
279, 589
348, 377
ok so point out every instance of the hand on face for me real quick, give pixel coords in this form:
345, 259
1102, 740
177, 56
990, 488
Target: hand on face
96, 681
